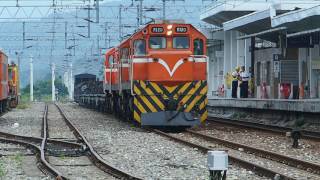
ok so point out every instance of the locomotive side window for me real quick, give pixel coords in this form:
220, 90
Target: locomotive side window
110, 59
157, 42
198, 47
10, 74
124, 55
181, 42
139, 47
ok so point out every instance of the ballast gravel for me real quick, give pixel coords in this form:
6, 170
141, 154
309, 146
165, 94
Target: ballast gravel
58, 128
140, 153
24, 122
16, 162
78, 168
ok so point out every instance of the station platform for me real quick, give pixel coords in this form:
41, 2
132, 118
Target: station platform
298, 105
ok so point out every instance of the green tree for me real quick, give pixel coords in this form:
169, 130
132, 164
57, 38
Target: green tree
42, 89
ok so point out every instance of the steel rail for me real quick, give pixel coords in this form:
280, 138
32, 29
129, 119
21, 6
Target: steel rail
93, 155
262, 171
55, 173
312, 135
43, 165
37, 140
290, 161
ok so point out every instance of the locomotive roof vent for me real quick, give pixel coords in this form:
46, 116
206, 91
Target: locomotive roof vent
172, 21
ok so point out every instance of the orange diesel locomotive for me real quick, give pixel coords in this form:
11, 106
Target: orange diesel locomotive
157, 77
9, 86
13, 77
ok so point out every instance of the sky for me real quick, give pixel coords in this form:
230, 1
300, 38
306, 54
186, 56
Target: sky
63, 37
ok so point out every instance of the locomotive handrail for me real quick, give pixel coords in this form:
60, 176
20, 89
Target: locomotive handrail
110, 78
131, 82
193, 55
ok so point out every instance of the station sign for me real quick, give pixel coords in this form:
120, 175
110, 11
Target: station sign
157, 30
181, 29
315, 65
276, 68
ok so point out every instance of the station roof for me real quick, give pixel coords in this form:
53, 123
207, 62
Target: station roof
251, 23
245, 12
300, 20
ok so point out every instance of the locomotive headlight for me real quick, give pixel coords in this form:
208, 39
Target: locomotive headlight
169, 33
169, 27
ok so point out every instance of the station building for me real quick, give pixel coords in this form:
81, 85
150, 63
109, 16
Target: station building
276, 41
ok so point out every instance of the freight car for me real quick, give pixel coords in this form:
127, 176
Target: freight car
157, 77
86, 85
81, 85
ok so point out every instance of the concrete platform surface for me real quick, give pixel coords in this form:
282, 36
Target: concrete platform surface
300, 105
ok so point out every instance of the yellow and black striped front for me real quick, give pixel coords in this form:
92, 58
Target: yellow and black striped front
189, 97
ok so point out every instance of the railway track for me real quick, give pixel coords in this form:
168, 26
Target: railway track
311, 135
42, 163
54, 172
92, 154
46, 147
205, 143
304, 165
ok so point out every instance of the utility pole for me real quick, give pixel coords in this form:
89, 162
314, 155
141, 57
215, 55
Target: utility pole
106, 34
98, 42
120, 23
70, 84
31, 79
53, 88
138, 16
65, 34
164, 8
19, 59
97, 11
23, 34
89, 19
139, 12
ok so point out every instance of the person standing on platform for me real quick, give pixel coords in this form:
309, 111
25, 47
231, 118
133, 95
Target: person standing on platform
235, 76
245, 77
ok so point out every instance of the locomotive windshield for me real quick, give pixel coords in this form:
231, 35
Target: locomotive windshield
157, 42
181, 42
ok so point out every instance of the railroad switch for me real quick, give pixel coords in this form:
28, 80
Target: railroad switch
217, 165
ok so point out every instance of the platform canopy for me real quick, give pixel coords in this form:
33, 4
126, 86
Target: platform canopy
300, 20
251, 23
222, 11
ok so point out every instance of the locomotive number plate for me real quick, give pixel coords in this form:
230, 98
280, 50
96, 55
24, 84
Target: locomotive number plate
157, 30
181, 29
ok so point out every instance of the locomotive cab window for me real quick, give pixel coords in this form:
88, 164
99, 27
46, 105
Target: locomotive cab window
139, 47
198, 47
10, 74
124, 55
181, 42
110, 60
157, 42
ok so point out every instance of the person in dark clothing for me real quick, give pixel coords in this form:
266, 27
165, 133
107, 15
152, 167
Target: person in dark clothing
235, 76
244, 86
